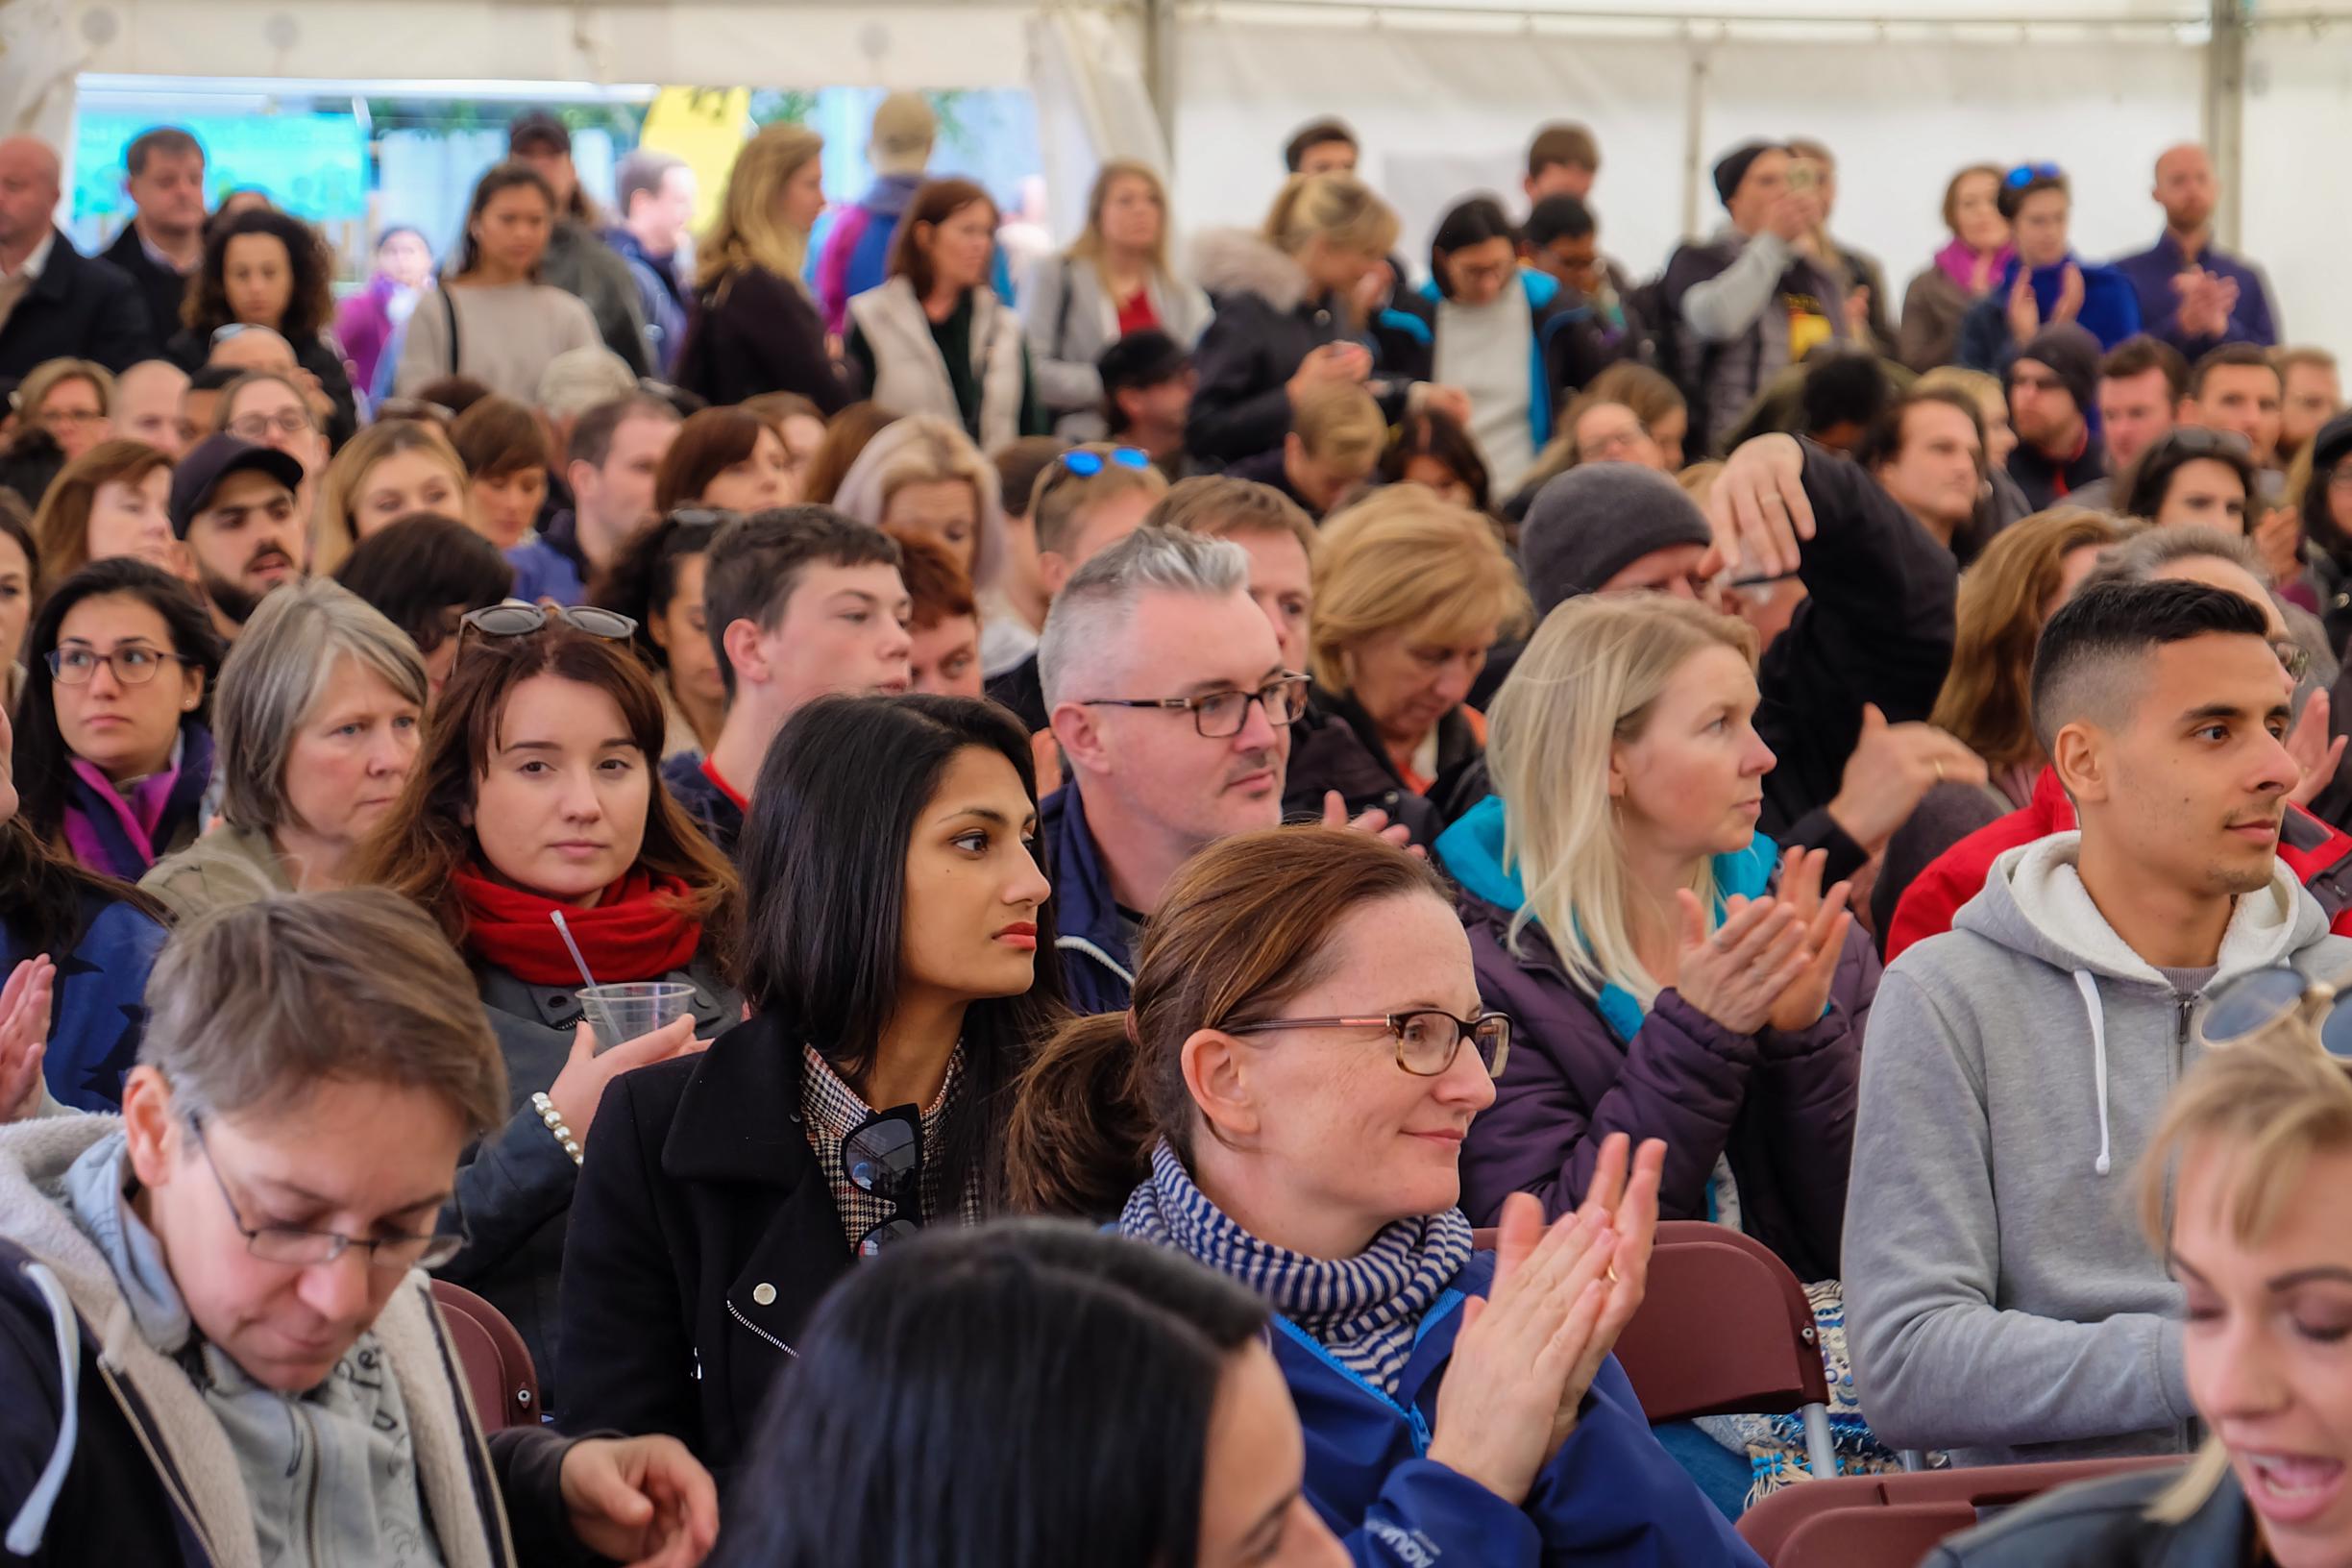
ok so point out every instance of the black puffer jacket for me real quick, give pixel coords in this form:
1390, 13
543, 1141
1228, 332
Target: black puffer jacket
1264, 326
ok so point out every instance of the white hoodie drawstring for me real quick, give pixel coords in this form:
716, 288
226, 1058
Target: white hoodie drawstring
2089, 986
32, 1521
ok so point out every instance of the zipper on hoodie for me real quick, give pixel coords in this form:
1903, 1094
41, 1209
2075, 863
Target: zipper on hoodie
738, 1317
2183, 1007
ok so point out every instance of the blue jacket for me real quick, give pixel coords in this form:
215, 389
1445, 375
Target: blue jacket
2151, 273
1096, 965
1611, 1498
549, 565
100, 1006
2110, 312
1570, 345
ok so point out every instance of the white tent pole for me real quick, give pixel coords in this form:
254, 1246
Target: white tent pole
1159, 72
1694, 135
2225, 61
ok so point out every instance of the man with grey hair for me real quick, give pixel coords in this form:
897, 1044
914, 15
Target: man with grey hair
656, 193
1172, 708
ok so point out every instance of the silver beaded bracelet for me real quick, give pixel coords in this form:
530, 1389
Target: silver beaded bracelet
556, 1124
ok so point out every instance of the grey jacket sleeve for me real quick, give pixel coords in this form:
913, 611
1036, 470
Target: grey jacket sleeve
1058, 305
1727, 304
1936, 1364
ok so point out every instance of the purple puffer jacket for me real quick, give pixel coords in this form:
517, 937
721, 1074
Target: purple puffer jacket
1781, 1106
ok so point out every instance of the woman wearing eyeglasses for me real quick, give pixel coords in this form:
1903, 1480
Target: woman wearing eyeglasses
61, 409
114, 748
1285, 1103
1672, 975
898, 963
265, 268
319, 713
535, 796
1410, 594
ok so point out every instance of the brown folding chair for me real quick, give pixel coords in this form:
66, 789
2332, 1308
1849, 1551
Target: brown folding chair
1887, 1521
1723, 1329
498, 1364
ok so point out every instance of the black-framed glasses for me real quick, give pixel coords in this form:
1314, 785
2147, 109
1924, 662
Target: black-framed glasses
259, 428
2250, 1003
1426, 1039
2026, 173
1219, 716
288, 1244
883, 1156
516, 618
130, 666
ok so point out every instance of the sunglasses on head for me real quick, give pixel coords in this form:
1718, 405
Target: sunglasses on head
517, 618
1086, 464
2026, 173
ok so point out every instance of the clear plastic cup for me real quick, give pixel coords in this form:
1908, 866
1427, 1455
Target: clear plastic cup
620, 1013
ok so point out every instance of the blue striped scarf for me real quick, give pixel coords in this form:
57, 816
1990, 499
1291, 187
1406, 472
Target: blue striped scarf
1362, 1310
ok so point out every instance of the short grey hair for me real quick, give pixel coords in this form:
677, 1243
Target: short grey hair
2139, 558
577, 380
253, 1006
276, 673
1100, 596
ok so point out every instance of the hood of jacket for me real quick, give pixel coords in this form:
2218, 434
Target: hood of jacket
1473, 852
2034, 903
1541, 288
1235, 262
891, 194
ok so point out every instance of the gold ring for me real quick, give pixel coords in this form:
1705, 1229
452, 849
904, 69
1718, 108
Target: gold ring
1612, 1274
1939, 768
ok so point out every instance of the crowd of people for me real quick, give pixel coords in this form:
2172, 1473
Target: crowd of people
1209, 840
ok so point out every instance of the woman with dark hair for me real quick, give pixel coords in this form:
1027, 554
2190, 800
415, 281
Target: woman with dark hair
2327, 524
492, 318
1148, 1376
114, 750
898, 963
535, 797
1285, 1102
103, 935
504, 450
20, 587
265, 268
1510, 337
656, 581
2191, 476
935, 340
729, 459
1430, 449
426, 573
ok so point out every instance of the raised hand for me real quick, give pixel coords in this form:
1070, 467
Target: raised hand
24, 1036
2024, 312
1825, 921
2070, 301
1759, 510
1891, 766
2314, 752
1736, 975
579, 1088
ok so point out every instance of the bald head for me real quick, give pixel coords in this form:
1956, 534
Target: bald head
29, 175
256, 348
2185, 187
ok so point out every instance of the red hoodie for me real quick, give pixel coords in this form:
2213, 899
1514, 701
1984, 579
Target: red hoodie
1958, 874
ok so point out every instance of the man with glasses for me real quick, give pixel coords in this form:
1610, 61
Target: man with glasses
56, 303
245, 1242
2000, 1301
1171, 705
235, 504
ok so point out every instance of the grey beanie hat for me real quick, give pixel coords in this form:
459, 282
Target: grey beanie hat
1591, 523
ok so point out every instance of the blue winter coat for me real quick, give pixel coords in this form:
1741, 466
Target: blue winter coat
2110, 312
1610, 1498
101, 1002
1096, 965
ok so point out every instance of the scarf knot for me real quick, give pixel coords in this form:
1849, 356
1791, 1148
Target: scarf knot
1366, 1310
639, 929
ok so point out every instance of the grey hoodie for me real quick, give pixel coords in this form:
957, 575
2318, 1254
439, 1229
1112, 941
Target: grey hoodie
2000, 1301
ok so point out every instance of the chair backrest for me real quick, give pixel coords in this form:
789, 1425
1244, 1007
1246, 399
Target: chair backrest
1723, 1329
1867, 1521
498, 1364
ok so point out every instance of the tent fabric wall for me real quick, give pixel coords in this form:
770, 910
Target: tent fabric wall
2299, 117
1440, 114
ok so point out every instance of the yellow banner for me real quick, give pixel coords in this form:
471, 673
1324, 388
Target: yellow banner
707, 127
